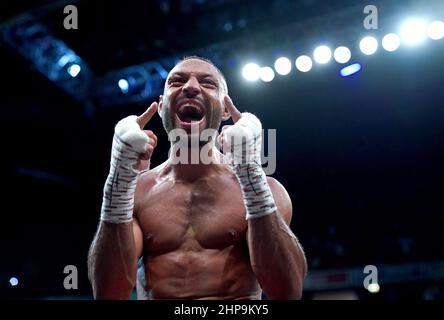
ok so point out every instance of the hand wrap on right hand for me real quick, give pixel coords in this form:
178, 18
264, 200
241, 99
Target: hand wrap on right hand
129, 142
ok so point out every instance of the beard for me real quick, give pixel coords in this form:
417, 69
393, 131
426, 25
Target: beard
213, 119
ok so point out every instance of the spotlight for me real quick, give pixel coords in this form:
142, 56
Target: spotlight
282, 66
74, 70
228, 26
65, 59
304, 63
322, 54
13, 281
266, 74
368, 45
391, 42
350, 70
135, 82
373, 288
123, 85
342, 54
413, 31
251, 72
435, 30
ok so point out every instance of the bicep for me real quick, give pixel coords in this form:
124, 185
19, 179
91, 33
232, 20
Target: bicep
282, 199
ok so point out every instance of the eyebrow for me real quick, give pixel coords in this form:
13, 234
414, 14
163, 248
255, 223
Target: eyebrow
199, 75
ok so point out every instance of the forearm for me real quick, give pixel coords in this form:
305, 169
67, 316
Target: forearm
277, 258
112, 261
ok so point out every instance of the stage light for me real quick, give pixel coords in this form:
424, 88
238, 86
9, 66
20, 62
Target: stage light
228, 26
123, 85
413, 31
435, 30
368, 45
266, 74
13, 281
373, 288
304, 63
350, 70
391, 42
65, 59
342, 54
322, 54
74, 70
251, 72
282, 66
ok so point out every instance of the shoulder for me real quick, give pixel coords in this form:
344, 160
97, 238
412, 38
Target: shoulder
281, 198
147, 179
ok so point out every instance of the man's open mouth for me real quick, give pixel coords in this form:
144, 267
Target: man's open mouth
190, 113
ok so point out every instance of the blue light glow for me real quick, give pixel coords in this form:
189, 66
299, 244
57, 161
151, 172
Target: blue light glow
350, 70
13, 281
123, 85
64, 60
74, 70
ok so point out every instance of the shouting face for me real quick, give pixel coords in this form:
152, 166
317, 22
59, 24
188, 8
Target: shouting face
193, 97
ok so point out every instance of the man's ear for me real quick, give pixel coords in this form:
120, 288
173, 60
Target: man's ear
159, 108
225, 114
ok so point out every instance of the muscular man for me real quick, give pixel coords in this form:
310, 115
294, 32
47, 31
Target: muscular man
215, 230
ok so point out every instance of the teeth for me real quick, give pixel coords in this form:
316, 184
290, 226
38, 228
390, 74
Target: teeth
193, 109
191, 106
190, 113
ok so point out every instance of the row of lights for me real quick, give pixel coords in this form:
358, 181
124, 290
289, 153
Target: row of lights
412, 32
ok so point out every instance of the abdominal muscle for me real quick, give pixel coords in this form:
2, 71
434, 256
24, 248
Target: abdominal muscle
203, 274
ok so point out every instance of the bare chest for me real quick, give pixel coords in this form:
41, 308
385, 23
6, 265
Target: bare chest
199, 216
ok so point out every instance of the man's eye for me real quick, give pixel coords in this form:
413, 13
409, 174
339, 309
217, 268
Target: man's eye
176, 82
208, 83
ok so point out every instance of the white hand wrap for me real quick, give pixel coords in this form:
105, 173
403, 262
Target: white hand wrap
244, 139
118, 194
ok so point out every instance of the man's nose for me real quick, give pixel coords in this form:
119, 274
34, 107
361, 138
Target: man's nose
191, 87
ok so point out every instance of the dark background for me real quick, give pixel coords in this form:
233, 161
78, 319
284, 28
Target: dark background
361, 157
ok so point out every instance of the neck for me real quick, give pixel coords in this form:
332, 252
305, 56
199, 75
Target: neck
190, 164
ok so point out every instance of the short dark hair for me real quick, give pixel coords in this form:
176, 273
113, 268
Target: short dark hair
225, 86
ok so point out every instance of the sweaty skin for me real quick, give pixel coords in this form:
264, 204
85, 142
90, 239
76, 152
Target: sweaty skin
189, 220
193, 236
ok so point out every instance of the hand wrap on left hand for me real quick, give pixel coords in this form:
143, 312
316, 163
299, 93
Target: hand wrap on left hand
243, 141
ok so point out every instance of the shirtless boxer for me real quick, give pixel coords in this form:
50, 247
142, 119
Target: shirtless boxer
205, 231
